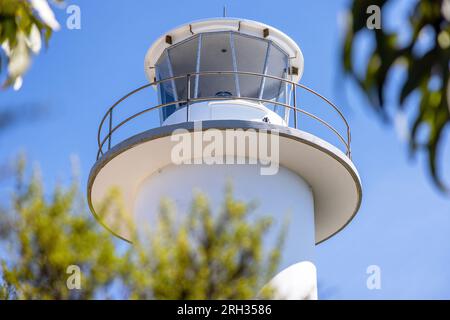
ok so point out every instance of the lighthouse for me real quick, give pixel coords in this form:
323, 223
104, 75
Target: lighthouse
224, 103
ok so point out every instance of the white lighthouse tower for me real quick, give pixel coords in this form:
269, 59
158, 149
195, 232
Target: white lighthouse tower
240, 77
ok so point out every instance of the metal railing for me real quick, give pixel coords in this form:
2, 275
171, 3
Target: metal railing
345, 137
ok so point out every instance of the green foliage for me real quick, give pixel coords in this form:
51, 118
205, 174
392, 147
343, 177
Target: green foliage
433, 109
44, 235
22, 25
205, 256
199, 255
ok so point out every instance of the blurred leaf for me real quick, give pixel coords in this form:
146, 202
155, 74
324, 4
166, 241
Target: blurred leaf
418, 73
198, 255
433, 111
17, 20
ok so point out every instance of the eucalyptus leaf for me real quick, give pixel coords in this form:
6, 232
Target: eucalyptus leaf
432, 111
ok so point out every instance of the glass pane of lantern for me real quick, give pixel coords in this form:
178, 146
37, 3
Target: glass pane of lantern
250, 57
216, 56
183, 57
277, 65
166, 88
178, 60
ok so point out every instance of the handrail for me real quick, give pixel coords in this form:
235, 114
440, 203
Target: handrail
189, 100
110, 109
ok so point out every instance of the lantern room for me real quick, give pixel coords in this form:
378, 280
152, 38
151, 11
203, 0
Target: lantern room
236, 62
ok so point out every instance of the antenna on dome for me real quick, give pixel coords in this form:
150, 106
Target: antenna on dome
224, 11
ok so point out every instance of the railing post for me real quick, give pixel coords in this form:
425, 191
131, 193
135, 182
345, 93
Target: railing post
188, 95
110, 128
349, 139
294, 100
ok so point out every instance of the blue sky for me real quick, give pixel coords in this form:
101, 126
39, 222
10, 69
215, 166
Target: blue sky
403, 225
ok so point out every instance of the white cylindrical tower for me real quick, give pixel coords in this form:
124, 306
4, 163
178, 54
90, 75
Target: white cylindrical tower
228, 99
